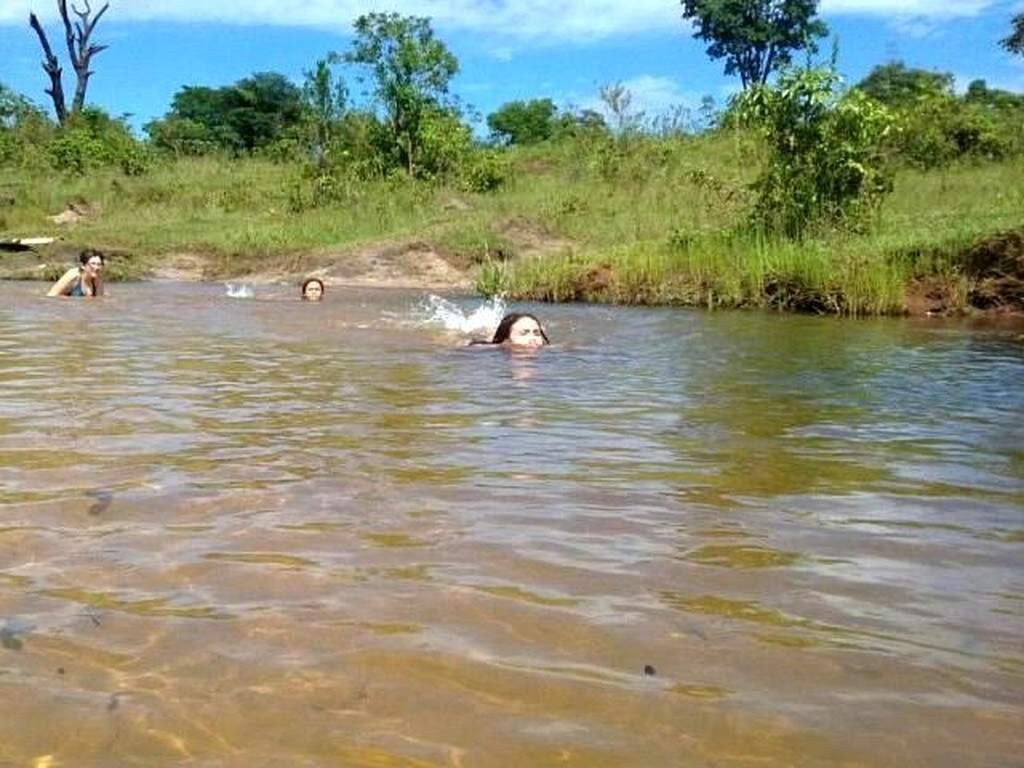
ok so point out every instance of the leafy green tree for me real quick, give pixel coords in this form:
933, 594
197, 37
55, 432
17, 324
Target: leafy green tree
709, 115
980, 94
523, 122
261, 107
183, 136
249, 115
197, 123
939, 127
1014, 42
897, 85
755, 37
582, 124
325, 96
203, 105
411, 71
445, 141
24, 130
14, 108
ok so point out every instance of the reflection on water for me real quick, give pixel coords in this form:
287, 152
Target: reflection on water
268, 533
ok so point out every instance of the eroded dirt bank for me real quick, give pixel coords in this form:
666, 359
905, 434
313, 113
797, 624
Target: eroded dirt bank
985, 278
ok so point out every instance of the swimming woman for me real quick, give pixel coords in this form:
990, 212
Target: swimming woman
518, 329
313, 289
84, 280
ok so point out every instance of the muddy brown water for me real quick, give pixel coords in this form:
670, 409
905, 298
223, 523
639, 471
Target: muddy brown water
265, 533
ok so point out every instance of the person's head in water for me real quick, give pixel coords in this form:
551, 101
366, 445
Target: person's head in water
520, 330
313, 289
91, 263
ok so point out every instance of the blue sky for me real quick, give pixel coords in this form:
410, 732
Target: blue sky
507, 49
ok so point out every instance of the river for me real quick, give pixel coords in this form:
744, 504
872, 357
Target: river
259, 532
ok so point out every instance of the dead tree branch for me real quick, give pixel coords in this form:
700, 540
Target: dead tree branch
52, 68
77, 36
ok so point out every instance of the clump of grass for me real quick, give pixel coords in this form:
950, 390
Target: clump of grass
475, 244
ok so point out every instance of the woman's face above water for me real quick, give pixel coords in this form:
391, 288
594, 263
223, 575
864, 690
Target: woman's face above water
313, 292
526, 332
93, 266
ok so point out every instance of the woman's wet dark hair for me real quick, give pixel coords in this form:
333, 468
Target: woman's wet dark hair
323, 290
88, 253
504, 329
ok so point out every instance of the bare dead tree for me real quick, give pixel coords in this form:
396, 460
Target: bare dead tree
78, 36
52, 68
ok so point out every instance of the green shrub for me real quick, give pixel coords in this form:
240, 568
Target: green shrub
444, 143
477, 244
827, 162
484, 171
183, 137
493, 279
940, 130
77, 152
8, 147
92, 139
523, 122
24, 131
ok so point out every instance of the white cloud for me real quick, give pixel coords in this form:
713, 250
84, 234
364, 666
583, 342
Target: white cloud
654, 95
532, 19
931, 9
650, 95
577, 20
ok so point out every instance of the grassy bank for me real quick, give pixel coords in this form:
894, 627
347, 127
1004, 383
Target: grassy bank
652, 220
922, 240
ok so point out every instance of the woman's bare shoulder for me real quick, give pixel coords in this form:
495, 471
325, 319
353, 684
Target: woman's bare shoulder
63, 282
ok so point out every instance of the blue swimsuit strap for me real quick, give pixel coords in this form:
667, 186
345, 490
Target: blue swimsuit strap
78, 289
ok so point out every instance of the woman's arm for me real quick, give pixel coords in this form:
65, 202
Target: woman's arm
61, 286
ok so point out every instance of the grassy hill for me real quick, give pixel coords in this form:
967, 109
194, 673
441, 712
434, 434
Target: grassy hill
651, 220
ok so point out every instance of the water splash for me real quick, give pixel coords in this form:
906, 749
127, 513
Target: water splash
481, 320
241, 291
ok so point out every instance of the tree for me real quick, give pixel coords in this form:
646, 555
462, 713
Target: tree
618, 104
15, 108
324, 97
261, 107
77, 35
1014, 42
583, 123
978, 93
411, 72
896, 85
755, 37
248, 115
523, 122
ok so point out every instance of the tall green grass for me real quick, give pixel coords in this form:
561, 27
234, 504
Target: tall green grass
714, 272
